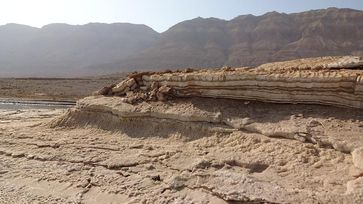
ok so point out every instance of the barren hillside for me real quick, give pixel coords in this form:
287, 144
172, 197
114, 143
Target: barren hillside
253, 40
64, 50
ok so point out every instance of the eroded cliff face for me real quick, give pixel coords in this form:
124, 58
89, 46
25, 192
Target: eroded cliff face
328, 81
185, 97
265, 135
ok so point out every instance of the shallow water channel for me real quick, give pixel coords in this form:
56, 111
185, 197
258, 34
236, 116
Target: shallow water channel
15, 104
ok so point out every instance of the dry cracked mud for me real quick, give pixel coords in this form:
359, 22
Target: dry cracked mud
237, 161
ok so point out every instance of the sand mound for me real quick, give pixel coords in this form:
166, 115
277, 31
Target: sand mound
316, 130
330, 127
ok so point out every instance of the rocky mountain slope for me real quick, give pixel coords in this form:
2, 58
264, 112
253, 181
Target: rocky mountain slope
60, 49
252, 40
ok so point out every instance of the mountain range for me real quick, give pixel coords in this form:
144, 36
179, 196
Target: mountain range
247, 40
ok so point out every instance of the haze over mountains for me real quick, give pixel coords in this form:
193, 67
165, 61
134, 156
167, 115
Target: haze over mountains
247, 40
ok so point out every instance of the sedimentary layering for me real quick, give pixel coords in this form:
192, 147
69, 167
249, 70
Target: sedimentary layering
199, 117
165, 145
310, 164
157, 156
329, 81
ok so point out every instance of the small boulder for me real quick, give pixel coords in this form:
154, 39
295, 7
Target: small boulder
105, 91
162, 92
124, 85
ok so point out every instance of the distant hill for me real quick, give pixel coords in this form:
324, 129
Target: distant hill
60, 49
65, 50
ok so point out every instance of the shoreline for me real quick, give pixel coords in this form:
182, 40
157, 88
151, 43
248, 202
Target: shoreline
36, 102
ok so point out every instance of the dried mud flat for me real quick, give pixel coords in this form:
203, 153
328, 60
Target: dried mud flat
201, 162
68, 89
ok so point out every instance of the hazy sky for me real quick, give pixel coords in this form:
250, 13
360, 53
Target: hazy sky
158, 14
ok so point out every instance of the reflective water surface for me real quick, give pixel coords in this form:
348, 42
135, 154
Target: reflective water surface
13, 104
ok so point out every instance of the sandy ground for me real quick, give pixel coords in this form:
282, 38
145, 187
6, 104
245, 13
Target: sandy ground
85, 164
184, 150
53, 88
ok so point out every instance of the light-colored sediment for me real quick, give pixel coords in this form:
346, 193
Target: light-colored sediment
329, 81
358, 157
155, 104
203, 150
150, 146
247, 172
308, 123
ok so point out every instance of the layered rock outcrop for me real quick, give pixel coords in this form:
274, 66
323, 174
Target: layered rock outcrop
328, 81
234, 150
329, 127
